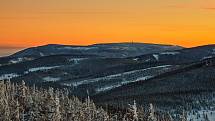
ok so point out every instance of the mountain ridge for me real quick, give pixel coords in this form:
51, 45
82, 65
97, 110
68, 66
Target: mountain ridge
106, 48
106, 69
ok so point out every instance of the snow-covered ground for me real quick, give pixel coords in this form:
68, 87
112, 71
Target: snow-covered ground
8, 76
106, 88
40, 69
66, 84
201, 115
170, 53
18, 60
213, 51
136, 59
76, 60
77, 48
208, 57
51, 79
42, 54
109, 87
77, 83
156, 57
122, 78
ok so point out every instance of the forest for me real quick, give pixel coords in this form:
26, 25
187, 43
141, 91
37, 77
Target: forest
19, 102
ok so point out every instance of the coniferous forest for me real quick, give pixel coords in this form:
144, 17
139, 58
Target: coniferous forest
70, 83
107, 60
23, 103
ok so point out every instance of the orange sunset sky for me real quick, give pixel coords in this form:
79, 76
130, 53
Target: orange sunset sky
25, 23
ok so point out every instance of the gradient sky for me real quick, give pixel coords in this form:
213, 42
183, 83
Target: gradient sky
25, 23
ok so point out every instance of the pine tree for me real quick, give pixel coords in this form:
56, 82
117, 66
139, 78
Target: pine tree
22, 103
206, 117
184, 116
152, 113
133, 110
17, 112
170, 117
57, 113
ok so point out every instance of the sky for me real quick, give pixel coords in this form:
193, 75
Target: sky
9, 51
26, 23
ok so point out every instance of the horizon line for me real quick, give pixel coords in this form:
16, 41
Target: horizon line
84, 45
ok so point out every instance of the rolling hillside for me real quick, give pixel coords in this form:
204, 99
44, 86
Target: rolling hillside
117, 73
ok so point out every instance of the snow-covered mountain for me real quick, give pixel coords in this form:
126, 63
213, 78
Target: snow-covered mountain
186, 55
114, 50
144, 72
111, 50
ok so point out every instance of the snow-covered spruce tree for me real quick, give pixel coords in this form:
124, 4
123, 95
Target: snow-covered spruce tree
133, 111
151, 116
16, 116
4, 104
64, 105
88, 111
31, 112
183, 117
48, 104
22, 103
169, 117
142, 114
101, 115
206, 117
57, 113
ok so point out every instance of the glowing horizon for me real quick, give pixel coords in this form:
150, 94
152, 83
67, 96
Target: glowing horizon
28, 23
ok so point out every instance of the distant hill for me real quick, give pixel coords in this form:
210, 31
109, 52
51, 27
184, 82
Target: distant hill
176, 86
186, 55
112, 50
117, 72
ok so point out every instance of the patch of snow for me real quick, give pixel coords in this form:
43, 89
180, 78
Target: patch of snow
213, 51
208, 57
106, 88
18, 60
65, 73
201, 115
163, 66
136, 59
170, 53
50, 79
148, 60
66, 84
40, 69
124, 55
67, 48
76, 60
8, 76
116, 75
77, 48
41, 54
156, 57
143, 78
